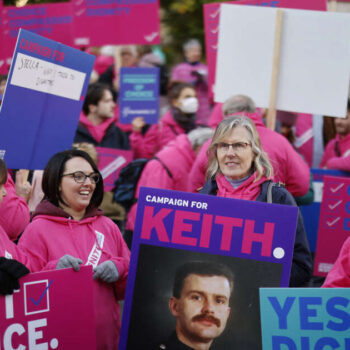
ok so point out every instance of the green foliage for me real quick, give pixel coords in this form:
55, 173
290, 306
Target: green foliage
181, 20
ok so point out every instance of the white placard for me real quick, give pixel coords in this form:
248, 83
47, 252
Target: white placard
36, 74
314, 63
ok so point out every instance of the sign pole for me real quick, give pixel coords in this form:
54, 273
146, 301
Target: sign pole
271, 115
332, 6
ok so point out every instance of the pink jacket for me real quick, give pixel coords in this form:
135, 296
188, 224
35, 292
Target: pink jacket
183, 72
216, 116
14, 211
156, 137
288, 166
94, 239
331, 160
339, 276
178, 156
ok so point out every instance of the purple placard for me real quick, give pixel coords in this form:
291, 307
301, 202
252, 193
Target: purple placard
100, 22
255, 240
212, 17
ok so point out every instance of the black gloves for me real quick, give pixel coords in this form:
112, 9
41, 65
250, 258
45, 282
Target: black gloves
10, 271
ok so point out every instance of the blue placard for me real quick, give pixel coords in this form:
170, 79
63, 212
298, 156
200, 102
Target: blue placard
305, 318
311, 213
45, 91
254, 240
139, 94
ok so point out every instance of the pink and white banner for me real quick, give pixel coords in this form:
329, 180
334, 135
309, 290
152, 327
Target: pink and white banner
334, 223
110, 162
212, 20
52, 310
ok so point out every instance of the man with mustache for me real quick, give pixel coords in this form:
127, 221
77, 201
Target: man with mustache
200, 304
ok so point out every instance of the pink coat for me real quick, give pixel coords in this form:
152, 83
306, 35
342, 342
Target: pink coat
156, 137
339, 276
183, 72
288, 166
14, 211
331, 160
52, 235
178, 156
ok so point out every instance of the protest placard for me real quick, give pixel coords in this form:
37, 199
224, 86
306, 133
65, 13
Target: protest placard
43, 99
308, 82
51, 310
334, 223
311, 212
110, 162
100, 22
253, 240
139, 94
212, 17
305, 318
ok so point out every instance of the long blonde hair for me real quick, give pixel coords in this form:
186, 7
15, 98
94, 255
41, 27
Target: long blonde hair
261, 161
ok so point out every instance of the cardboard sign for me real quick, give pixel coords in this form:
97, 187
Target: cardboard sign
110, 162
139, 94
311, 212
48, 307
305, 318
311, 42
43, 99
100, 22
254, 240
212, 17
334, 224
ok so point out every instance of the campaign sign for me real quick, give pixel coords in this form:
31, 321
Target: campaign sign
334, 223
43, 100
110, 162
51, 310
50, 20
100, 22
305, 318
253, 240
311, 212
212, 19
139, 94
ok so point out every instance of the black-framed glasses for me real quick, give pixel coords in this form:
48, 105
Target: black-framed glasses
80, 177
237, 146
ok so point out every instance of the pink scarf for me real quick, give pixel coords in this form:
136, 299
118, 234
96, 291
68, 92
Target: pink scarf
96, 131
247, 190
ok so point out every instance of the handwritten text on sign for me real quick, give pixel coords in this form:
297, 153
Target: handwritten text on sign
36, 74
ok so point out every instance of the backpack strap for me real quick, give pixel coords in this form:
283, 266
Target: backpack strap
269, 193
165, 167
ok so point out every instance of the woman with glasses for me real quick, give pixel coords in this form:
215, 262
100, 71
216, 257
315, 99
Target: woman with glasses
68, 230
239, 168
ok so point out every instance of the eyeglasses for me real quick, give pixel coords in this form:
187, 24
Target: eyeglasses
80, 177
237, 147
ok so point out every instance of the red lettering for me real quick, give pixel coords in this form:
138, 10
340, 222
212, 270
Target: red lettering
180, 226
228, 225
206, 231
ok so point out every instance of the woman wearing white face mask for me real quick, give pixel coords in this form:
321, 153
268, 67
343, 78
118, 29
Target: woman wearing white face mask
180, 119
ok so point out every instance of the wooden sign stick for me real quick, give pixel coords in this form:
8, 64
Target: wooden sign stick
332, 6
271, 115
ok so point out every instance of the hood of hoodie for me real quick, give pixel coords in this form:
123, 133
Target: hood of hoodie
254, 117
52, 212
96, 131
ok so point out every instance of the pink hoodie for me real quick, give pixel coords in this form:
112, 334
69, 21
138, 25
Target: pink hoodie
14, 211
339, 276
96, 131
94, 239
288, 166
331, 160
178, 156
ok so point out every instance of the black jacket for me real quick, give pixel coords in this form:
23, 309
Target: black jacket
114, 137
302, 261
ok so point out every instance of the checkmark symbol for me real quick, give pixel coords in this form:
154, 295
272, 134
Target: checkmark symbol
333, 206
331, 223
42, 295
336, 189
214, 14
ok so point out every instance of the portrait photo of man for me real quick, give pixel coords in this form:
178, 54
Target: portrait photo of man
186, 299
200, 304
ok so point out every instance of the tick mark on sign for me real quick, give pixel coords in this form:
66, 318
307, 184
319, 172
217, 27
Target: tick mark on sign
42, 295
336, 189
333, 206
331, 223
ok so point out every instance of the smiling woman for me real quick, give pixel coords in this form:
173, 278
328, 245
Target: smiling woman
68, 230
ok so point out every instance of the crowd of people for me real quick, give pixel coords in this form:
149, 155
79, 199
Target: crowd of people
52, 219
